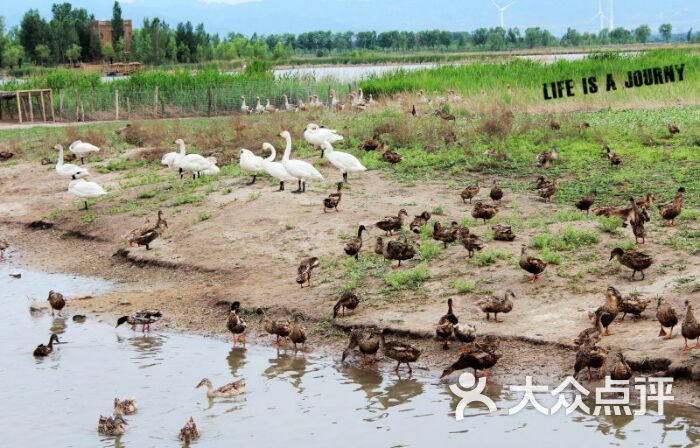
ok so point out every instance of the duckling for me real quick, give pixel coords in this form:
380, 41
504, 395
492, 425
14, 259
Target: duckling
401, 352
445, 326
483, 211
306, 266
620, 371
372, 144
354, 246
481, 355
125, 407
496, 193
666, 316
633, 305
503, 233
613, 158
419, 221
56, 301
348, 300
189, 432
227, 390
590, 356
333, 199
548, 191
391, 157
470, 192
670, 210
143, 317
673, 129
495, 305
470, 241
545, 159
533, 265
690, 328
608, 311
445, 234
111, 426
584, 204
464, 334
637, 261
365, 341
236, 325
392, 223
399, 249
46, 350
297, 333
4, 244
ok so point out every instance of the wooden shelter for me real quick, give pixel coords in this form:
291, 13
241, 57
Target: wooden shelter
27, 103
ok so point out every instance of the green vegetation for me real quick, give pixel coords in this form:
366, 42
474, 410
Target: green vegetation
429, 250
489, 257
203, 216
408, 279
609, 224
463, 286
569, 238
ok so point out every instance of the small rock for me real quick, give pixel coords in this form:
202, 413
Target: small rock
124, 303
16, 274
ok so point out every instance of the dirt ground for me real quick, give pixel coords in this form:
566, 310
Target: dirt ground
249, 249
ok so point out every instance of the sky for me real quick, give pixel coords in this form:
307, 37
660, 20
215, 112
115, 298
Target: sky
296, 16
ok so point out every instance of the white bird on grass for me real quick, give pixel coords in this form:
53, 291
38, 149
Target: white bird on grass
68, 169
82, 149
259, 108
345, 162
276, 169
316, 135
300, 169
172, 159
250, 163
195, 164
85, 190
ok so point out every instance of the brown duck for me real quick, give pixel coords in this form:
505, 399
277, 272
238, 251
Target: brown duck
401, 352
306, 266
348, 300
391, 157
333, 199
613, 158
634, 305
673, 129
399, 249
392, 223
620, 371
670, 210
470, 192
365, 340
590, 335
548, 191
297, 333
637, 261
189, 433
481, 355
666, 316
533, 265
585, 203
445, 326
354, 246
495, 305
372, 144
541, 182
56, 301
503, 233
496, 193
419, 221
148, 235
638, 230
46, 350
445, 234
483, 211
545, 159
690, 329
235, 324
590, 356
608, 311
470, 241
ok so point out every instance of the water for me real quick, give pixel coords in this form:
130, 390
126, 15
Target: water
348, 73
301, 401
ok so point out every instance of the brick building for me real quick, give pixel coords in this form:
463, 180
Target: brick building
104, 31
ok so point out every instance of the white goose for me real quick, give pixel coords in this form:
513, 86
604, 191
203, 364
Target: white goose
317, 135
213, 170
85, 190
195, 164
345, 162
259, 108
172, 159
81, 149
269, 108
276, 169
244, 107
250, 163
300, 169
68, 169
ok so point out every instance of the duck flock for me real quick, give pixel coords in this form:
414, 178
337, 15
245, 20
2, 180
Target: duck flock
477, 352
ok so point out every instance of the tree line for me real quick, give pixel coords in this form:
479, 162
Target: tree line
67, 38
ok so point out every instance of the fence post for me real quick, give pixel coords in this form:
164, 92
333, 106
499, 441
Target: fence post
53, 117
61, 94
155, 102
116, 104
19, 107
77, 105
43, 106
31, 109
128, 107
210, 101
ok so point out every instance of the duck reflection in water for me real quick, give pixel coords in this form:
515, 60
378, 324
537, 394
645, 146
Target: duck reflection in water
400, 392
58, 325
285, 366
368, 380
146, 344
236, 360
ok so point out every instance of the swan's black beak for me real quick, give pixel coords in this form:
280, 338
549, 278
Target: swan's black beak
322, 152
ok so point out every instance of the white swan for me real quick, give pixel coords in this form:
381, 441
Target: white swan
300, 169
250, 163
172, 159
68, 169
195, 164
316, 135
276, 169
81, 149
345, 162
213, 170
85, 190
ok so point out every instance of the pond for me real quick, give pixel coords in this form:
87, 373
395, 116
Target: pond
303, 400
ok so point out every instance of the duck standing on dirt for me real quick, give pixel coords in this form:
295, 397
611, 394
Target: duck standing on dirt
445, 234
445, 326
306, 266
481, 355
483, 211
638, 230
585, 203
495, 305
637, 261
496, 193
419, 221
502, 232
354, 246
470, 192
620, 371
590, 356
45, 350
632, 305
401, 352
533, 265
666, 316
144, 237
464, 334
297, 333
548, 191
399, 249
333, 199
470, 241
590, 335
608, 311
227, 390
236, 325
690, 328
365, 340
348, 300
111, 426
143, 317
343, 161
670, 210
56, 301
392, 223
127, 406
189, 432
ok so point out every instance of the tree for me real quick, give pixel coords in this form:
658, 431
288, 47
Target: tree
12, 55
642, 33
171, 49
117, 24
73, 53
3, 39
108, 52
33, 30
572, 38
42, 53
665, 31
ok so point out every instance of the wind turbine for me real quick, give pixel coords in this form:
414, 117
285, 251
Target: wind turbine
501, 10
600, 15
612, 23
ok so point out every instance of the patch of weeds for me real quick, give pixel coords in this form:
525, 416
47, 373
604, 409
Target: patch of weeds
147, 194
88, 218
568, 238
463, 286
469, 222
685, 239
226, 191
689, 214
439, 210
121, 165
407, 279
187, 198
253, 196
489, 257
356, 272
54, 213
550, 256
609, 224
288, 227
148, 178
326, 328
429, 250
203, 216
626, 245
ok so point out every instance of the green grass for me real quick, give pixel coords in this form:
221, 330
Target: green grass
685, 239
408, 278
569, 238
121, 165
429, 250
463, 286
188, 198
438, 210
204, 216
609, 224
489, 257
